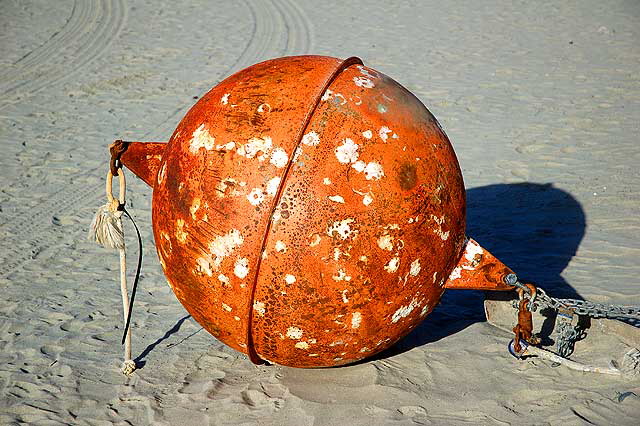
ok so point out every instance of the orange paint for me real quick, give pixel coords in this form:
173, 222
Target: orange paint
309, 211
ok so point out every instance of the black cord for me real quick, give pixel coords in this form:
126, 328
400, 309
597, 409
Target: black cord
135, 282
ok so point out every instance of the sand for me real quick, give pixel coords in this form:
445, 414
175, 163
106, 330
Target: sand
540, 99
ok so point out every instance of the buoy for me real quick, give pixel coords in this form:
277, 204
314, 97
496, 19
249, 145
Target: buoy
310, 212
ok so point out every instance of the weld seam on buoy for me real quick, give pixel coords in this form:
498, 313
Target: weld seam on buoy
353, 60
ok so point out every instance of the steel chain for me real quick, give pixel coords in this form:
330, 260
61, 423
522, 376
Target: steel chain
568, 335
579, 307
569, 332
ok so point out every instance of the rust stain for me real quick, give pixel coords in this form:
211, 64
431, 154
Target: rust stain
407, 176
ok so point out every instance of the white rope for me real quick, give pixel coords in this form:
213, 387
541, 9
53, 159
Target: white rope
129, 365
107, 230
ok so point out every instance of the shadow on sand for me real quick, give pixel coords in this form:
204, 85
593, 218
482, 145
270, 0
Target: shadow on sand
535, 229
139, 360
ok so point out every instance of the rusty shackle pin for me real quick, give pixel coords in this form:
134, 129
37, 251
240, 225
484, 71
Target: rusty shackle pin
310, 211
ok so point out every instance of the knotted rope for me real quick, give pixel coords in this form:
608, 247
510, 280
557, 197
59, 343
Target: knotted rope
107, 230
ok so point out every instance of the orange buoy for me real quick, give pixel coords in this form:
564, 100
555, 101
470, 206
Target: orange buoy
310, 211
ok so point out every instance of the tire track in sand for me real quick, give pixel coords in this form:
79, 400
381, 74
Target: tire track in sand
299, 28
279, 28
87, 34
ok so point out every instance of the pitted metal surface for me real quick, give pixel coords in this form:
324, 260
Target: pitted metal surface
309, 211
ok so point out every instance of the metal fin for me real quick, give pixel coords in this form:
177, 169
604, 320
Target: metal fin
478, 269
144, 159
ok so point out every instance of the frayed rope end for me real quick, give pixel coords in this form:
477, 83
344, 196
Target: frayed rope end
128, 367
106, 228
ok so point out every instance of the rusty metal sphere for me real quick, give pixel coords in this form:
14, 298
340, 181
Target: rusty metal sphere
307, 210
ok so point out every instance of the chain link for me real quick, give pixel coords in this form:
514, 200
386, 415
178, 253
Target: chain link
568, 335
569, 328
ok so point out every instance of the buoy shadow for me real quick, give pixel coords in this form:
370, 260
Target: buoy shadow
139, 360
535, 229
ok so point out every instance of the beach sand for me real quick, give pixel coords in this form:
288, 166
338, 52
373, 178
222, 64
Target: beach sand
541, 101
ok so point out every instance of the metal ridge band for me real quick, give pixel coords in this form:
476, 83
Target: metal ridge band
251, 352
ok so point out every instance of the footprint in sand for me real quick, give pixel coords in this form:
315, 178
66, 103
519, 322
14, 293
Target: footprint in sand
413, 411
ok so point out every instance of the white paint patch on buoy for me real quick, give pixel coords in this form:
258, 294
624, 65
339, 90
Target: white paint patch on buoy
279, 158
336, 199
455, 274
162, 173
201, 138
241, 267
439, 232
281, 247
256, 196
195, 205
311, 139
316, 240
223, 245
181, 234
264, 108
256, 145
342, 276
367, 134
342, 228
385, 242
367, 197
425, 310
384, 133
363, 82
223, 279
294, 333
356, 319
347, 152
225, 99
373, 171
272, 186
415, 267
471, 250
443, 235
302, 345
290, 279
259, 307
392, 265
204, 266
370, 74
404, 311
229, 146
359, 165
339, 99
